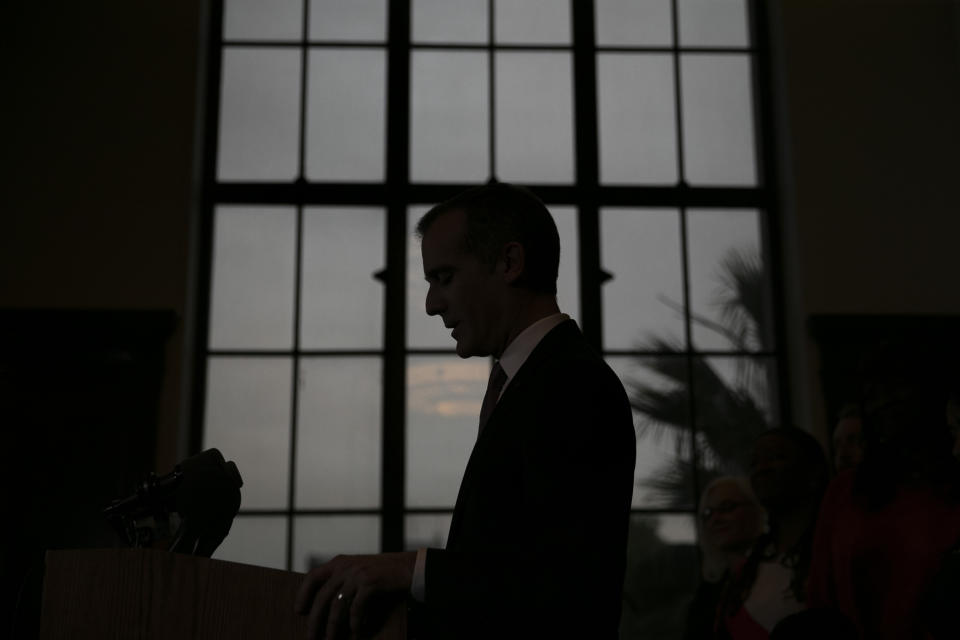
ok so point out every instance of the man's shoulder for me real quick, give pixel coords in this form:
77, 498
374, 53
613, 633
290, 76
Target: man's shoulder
565, 356
566, 344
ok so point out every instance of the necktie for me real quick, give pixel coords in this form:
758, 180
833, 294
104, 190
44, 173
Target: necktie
498, 377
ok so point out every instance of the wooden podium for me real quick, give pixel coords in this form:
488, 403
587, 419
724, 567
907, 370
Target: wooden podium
141, 593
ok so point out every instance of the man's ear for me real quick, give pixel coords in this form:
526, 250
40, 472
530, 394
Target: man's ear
513, 260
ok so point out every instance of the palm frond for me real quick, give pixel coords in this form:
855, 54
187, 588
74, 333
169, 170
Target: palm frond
671, 483
741, 297
727, 417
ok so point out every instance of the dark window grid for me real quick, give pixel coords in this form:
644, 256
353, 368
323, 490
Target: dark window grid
758, 21
477, 46
300, 44
685, 261
417, 351
492, 94
326, 353
373, 44
359, 511
638, 196
376, 194
699, 353
312, 353
418, 511
677, 50
298, 276
458, 46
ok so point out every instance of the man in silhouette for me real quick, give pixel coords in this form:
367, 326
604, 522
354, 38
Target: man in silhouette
538, 538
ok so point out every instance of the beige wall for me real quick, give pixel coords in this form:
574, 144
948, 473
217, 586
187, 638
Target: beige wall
869, 113
99, 146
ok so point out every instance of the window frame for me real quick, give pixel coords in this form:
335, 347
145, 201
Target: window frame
396, 193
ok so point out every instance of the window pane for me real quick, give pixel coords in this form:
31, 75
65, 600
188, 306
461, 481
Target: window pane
248, 419
659, 393
532, 21
345, 114
534, 117
662, 575
342, 303
644, 300
318, 539
262, 19
568, 280
449, 21
449, 116
718, 120
728, 281
338, 433
634, 23
713, 23
637, 118
253, 278
259, 114
444, 394
423, 331
348, 20
256, 540
427, 531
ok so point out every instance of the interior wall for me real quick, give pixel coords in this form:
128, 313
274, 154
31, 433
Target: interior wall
869, 119
97, 158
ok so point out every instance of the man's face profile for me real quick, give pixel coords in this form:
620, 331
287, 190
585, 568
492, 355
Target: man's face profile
467, 294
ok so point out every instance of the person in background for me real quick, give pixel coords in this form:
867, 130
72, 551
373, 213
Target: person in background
731, 519
789, 474
848, 438
885, 527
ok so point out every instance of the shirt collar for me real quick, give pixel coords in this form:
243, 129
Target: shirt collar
523, 345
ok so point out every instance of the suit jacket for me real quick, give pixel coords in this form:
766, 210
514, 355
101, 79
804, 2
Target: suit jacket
537, 544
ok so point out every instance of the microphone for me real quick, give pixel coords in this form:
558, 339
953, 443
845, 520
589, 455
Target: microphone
200, 496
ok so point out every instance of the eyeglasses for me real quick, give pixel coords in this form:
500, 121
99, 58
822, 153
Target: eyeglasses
726, 506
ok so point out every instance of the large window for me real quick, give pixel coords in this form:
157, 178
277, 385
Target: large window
334, 124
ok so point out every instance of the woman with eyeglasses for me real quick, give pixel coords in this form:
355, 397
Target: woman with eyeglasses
789, 474
730, 521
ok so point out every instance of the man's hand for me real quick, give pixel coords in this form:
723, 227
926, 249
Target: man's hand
337, 593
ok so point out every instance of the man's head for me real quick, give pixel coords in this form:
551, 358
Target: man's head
490, 255
848, 438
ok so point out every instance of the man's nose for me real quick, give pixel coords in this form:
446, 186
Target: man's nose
434, 303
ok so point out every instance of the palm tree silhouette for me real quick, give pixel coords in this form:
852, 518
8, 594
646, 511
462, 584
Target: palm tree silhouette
727, 416
661, 576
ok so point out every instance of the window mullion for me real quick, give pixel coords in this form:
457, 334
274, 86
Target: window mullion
585, 122
393, 476
771, 240
197, 336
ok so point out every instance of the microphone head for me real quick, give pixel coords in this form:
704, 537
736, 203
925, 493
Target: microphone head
207, 499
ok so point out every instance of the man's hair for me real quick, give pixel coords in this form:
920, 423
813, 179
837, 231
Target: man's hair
498, 213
